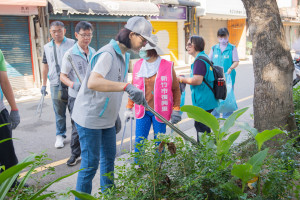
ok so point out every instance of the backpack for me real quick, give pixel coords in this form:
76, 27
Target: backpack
219, 86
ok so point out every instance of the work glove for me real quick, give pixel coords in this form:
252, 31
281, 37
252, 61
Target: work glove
76, 86
128, 114
43, 90
118, 124
175, 117
136, 95
14, 118
182, 86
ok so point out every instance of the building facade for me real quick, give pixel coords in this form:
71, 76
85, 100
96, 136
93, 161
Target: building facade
18, 41
215, 14
168, 18
290, 15
25, 29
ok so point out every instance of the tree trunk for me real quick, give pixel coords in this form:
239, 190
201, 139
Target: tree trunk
273, 67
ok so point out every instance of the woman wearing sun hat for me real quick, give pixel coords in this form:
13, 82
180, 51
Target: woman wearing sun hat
99, 99
156, 77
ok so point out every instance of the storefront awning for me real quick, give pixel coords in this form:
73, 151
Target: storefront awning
188, 3
97, 7
177, 2
23, 2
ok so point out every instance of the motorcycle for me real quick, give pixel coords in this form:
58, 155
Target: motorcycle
297, 69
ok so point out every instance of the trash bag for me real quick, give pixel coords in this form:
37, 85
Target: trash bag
229, 104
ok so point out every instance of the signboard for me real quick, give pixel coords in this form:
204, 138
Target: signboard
18, 10
171, 12
237, 12
219, 7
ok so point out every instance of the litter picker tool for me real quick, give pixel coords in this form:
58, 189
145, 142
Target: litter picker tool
39, 109
74, 68
177, 130
131, 120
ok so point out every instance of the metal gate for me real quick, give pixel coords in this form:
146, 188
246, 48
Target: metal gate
15, 45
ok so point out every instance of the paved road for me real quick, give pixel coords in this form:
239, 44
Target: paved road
37, 135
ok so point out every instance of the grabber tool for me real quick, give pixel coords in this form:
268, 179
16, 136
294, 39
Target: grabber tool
120, 150
177, 130
39, 109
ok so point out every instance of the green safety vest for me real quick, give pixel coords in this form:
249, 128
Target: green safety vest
224, 59
202, 96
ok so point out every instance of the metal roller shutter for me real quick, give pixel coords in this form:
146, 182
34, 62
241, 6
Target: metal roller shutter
70, 32
15, 45
102, 34
169, 37
107, 31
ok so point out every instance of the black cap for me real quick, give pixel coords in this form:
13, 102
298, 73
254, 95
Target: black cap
222, 32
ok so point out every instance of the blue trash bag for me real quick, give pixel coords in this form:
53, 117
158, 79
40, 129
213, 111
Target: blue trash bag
229, 104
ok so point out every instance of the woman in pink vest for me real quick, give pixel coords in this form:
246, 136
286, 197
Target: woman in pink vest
157, 78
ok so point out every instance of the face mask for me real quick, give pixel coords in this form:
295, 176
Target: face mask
143, 54
223, 41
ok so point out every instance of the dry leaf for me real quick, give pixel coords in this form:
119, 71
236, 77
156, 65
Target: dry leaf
172, 148
161, 146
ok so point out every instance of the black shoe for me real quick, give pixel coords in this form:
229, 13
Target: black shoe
73, 160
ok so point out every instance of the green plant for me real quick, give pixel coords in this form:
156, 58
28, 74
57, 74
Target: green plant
250, 169
223, 145
214, 169
9, 176
296, 99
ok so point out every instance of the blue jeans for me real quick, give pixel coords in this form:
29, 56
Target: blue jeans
96, 145
143, 127
60, 108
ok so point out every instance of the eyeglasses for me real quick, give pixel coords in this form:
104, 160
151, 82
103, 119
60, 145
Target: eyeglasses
142, 38
86, 36
189, 44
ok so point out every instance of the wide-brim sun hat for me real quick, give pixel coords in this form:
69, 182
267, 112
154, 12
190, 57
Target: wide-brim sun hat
142, 27
158, 50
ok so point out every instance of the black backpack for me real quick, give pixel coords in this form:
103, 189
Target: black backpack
219, 87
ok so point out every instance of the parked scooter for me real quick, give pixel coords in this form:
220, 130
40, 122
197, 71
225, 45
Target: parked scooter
297, 71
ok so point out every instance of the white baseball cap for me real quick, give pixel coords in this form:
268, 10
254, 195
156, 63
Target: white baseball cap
141, 26
158, 50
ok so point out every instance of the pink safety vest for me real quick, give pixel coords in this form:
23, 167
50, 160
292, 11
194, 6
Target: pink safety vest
163, 95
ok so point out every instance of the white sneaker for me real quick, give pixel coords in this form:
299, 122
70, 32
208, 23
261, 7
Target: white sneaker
59, 142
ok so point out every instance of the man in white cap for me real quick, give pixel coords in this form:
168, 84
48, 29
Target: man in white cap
99, 99
157, 78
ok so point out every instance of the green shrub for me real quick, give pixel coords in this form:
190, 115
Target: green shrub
214, 169
36, 192
296, 98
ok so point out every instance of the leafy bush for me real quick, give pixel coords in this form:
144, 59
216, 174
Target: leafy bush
296, 97
214, 169
9, 176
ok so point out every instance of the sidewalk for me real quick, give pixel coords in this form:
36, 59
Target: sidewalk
70, 182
